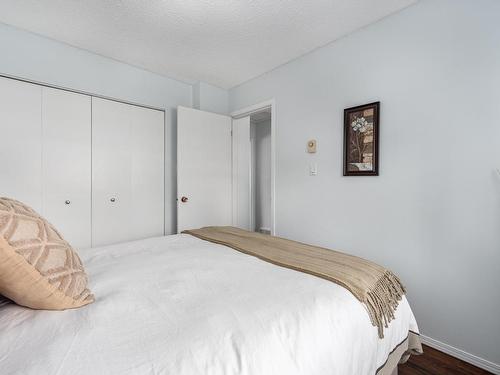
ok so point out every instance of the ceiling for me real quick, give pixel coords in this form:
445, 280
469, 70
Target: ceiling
222, 42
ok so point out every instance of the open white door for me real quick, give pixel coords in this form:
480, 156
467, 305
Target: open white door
203, 169
242, 173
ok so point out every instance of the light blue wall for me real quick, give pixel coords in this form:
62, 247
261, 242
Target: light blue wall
36, 58
433, 214
210, 98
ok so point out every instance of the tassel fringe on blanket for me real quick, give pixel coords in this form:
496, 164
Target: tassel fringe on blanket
382, 301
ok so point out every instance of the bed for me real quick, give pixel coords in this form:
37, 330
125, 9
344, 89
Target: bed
184, 306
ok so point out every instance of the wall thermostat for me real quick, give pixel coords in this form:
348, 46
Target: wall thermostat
311, 146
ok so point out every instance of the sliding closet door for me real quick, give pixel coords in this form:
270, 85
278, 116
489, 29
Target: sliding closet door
148, 172
21, 142
111, 172
66, 163
127, 172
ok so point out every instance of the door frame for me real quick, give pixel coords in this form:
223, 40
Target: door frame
247, 111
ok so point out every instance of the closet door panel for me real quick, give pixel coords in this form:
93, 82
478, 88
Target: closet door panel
111, 172
66, 156
128, 172
148, 190
21, 142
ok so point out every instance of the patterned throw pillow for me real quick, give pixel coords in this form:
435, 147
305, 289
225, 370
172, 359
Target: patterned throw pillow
3, 301
38, 268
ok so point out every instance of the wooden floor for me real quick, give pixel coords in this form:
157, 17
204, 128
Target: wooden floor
434, 362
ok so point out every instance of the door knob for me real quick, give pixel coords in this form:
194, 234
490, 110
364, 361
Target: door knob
184, 199
67, 201
113, 200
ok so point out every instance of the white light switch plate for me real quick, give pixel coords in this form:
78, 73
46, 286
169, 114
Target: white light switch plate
313, 169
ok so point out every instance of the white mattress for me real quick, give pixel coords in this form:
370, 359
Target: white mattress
182, 306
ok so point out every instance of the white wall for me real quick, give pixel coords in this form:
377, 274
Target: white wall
262, 174
36, 58
433, 214
210, 98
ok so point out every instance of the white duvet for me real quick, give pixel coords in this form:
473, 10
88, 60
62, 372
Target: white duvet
182, 306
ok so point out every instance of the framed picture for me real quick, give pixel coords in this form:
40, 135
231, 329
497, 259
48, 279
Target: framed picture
361, 134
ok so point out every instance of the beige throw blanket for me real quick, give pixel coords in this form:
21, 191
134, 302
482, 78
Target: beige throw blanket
373, 285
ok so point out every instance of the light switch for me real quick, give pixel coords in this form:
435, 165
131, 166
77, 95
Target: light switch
313, 169
311, 146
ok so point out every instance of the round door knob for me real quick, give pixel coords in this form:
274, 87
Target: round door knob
67, 201
184, 199
113, 200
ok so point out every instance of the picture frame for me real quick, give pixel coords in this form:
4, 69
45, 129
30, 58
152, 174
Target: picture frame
361, 140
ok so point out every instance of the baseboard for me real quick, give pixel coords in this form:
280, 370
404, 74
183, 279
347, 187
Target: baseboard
460, 354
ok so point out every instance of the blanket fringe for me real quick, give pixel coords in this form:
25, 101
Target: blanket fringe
382, 300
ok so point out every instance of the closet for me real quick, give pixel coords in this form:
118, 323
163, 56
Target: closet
20, 142
93, 167
127, 172
66, 162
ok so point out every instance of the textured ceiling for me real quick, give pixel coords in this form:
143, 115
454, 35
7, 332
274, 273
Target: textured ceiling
221, 42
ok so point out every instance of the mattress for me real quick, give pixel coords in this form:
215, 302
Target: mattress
183, 306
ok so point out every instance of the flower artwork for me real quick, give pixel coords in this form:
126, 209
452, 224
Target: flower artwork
361, 140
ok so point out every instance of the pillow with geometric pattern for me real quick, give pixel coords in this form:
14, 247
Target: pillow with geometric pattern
38, 268
3, 301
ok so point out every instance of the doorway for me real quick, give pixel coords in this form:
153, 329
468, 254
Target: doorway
253, 152
220, 180
260, 171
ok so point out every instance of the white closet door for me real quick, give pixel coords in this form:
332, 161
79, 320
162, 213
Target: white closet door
242, 173
66, 156
21, 142
148, 172
127, 172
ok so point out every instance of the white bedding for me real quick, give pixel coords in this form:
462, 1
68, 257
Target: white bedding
182, 306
